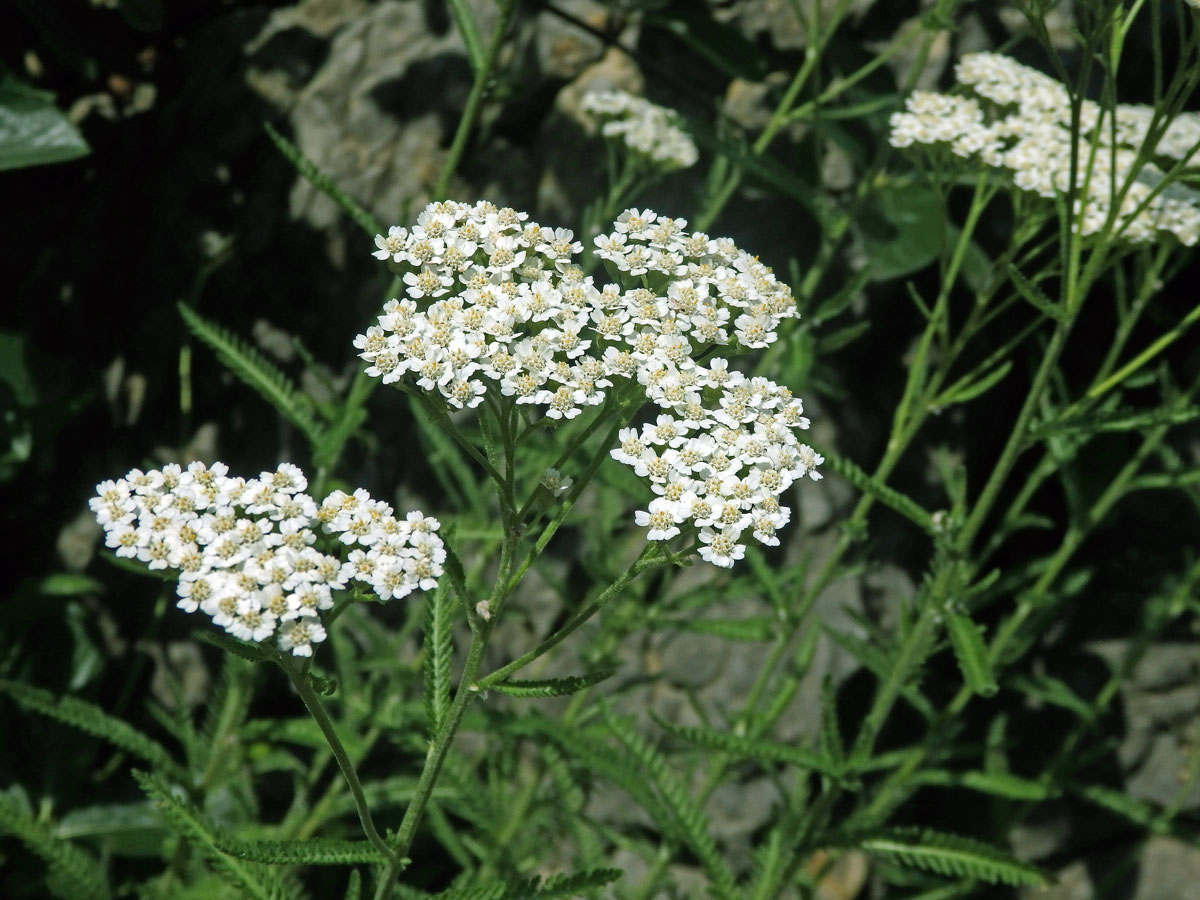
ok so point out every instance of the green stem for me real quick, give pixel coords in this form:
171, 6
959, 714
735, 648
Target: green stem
317, 710
433, 767
467, 121
590, 609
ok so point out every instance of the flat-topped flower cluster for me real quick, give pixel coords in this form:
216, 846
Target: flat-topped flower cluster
1018, 119
244, 548
649, 130
497, 301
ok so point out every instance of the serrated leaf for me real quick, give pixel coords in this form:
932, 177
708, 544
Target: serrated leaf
951, 855
890, 497
78, 874
92, 719
254, 370
552, 687
557, 886
997, 784
33, 131
251, 880
439, 607
1053, 690
322, 182
751, 628
688, 818
307, 852
752, 748
1033, 294
971, 653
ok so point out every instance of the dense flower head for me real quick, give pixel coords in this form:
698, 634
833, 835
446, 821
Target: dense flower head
244, 548
495, 299
649, 130
1018, 119
720, 459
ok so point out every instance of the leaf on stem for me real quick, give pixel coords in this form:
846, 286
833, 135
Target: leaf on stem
971, 653
253, 368
552, 687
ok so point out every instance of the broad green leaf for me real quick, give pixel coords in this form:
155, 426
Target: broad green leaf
903, 230
33, 131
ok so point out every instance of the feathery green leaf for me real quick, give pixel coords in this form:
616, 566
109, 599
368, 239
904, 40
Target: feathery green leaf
439, 616
971, 653
92, 719
750, 748
323, 182
897, 501
255, 370
311, 851
253, 881
76, 873
950, 855
552, 687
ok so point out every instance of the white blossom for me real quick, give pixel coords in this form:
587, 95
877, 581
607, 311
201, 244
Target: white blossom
244, 550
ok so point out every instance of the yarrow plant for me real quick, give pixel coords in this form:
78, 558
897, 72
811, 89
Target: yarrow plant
495, 299
244, 548
592, 405
648, 130
1017, 119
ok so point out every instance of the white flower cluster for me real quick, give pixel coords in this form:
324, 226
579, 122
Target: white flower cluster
244, 547
719, 466
505, 303
646, 128
1020, 120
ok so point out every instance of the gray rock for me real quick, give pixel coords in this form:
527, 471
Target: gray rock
1167, 775
1169, 870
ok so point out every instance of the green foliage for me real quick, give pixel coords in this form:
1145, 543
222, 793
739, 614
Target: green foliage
323, 182
439, 619
256, 371
551, 687
251, 880
971, 653
74, 873
312, 852
754, 749
950, 855
90, 718
556, 886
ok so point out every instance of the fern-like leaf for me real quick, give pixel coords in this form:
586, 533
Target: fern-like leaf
971, 653
310, 852
73, 871
557, 886
92, 719
687, 816
323, 182
256, 371
890, 497
950, 855
253, 881
552, 687
741, 747
439, 613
